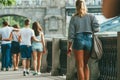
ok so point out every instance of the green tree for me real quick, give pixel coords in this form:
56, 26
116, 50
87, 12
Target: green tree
13, 20
7, 2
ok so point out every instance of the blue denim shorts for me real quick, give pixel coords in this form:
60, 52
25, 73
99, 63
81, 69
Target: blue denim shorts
26, 51
37, 47
83, 41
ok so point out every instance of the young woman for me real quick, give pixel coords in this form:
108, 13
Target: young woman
80, 38
38, 48
15, 46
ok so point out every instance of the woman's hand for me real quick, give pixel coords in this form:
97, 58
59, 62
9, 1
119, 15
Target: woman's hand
44, 50
69, 52
69, 48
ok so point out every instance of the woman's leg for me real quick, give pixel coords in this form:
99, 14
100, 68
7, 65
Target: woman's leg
39, 58
35, 60
79, 56
86, 68
14, 60
17, 60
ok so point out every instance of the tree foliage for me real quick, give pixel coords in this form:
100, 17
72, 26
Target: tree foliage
7, 2
13, 20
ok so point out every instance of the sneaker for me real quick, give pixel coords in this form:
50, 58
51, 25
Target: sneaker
24, 73
27, 72
7, 69
2, 69
39, 73
35, 73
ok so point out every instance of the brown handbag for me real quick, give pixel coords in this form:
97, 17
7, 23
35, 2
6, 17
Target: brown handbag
97, 50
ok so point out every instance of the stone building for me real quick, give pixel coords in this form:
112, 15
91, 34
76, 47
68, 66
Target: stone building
52, 14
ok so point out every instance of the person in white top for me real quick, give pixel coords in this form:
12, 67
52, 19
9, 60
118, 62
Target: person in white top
6, 46
26, 34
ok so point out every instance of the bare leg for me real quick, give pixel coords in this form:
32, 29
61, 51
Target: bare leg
14, 61
86, 68
17, 60
79, 56
39, 57
35, 60
24, 64
27, 64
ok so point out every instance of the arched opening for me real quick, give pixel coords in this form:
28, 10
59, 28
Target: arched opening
12, 19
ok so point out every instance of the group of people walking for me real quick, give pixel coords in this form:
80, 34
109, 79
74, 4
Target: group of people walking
26, 42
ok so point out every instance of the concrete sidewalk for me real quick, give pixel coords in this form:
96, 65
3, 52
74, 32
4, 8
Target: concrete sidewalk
17, 75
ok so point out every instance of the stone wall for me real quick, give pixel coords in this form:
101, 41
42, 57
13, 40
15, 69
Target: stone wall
50, 14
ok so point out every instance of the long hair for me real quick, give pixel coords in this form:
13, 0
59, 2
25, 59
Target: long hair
37, 28
81, 8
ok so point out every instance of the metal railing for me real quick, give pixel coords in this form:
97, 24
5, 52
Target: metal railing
108, 65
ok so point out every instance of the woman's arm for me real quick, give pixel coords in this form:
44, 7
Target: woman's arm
71, 35
43, 42
69, 48
8, 39
94, 24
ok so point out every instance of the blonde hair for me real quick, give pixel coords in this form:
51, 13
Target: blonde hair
81, 8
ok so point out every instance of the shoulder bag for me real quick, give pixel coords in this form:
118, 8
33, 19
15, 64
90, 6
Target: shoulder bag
97, 51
